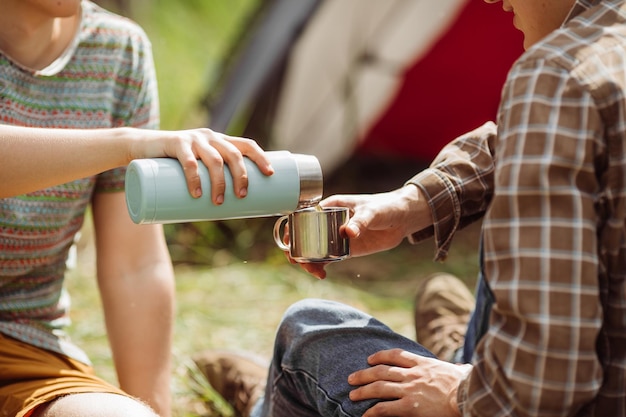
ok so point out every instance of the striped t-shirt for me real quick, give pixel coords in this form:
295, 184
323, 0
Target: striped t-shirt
104, 79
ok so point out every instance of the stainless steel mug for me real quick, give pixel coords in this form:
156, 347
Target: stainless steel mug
314, 234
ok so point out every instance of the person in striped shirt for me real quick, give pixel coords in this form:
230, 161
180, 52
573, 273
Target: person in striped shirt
78, 101
548, 333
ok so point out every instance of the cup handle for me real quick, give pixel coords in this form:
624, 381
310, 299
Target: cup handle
277, 235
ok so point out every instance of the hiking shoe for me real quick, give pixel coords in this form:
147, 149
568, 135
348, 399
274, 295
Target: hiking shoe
442, 308
239, 378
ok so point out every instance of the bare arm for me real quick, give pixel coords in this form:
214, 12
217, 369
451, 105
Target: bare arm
35, 158
136, 282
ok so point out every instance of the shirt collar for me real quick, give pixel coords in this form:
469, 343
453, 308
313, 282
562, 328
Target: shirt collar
580, 6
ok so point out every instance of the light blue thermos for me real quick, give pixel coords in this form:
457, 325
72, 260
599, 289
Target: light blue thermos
156, 191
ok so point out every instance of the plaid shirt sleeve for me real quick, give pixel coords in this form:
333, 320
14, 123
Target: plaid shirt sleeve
458, 186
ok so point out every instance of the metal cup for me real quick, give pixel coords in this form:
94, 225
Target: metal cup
314, 234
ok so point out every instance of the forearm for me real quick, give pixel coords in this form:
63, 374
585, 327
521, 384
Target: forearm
139, 320
34, 158
136, 282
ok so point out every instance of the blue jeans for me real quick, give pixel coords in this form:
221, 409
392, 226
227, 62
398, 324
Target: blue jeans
319, 343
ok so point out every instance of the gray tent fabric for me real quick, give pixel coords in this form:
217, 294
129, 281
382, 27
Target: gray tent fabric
345, 62
346, 68
321, 77
268, 43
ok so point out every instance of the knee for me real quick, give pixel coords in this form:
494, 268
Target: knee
301, 308
301, 321
310, 314
96, 405
308, 310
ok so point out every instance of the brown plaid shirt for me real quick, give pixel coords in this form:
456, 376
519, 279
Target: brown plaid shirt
550, 184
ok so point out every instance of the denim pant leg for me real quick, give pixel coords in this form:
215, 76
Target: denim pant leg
318, 344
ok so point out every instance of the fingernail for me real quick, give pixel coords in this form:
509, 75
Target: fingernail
198, 192
243, 192
219, 199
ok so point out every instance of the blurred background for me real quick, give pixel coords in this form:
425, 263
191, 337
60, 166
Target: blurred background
373, 88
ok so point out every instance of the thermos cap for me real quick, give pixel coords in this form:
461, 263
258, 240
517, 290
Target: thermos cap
311, 180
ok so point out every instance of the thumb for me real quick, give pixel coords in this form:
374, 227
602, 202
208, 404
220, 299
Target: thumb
358, 223
352, 230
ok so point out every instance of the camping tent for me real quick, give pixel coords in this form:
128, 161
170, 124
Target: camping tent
386, 77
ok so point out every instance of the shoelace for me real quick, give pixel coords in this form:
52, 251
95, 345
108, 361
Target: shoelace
446, 334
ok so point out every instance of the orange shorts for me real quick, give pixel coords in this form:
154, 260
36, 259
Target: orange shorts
30, 377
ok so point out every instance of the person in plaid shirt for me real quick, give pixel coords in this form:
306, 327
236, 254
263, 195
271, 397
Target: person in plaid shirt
548, 334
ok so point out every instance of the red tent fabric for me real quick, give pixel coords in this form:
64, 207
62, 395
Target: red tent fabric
452, 89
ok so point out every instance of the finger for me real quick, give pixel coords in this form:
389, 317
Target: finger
177, 145
384, 390
392, 408
350, 230
215, 165
239, 174
359, 221
339, 200
289, 258
316, 269
395, 357
215, 151
254, 152
233, 158
192, 175
359, 213
376, 373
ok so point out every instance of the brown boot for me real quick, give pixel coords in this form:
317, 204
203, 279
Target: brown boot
442, 309
240, 379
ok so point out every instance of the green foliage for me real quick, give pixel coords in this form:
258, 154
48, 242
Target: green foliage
190, 41
218, 243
